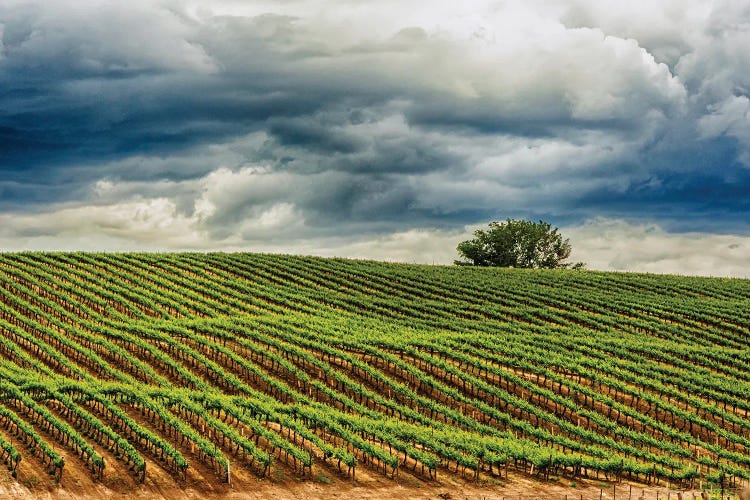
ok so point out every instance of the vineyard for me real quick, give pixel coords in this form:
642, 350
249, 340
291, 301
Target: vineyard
226, 364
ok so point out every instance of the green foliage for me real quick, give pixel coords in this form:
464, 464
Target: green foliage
261, 359
517, 243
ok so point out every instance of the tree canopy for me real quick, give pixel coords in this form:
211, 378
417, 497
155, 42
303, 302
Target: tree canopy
517, 243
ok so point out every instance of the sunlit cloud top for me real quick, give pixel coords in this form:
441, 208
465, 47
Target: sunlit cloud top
332, 127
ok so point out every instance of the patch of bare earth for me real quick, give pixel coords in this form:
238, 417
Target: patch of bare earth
325, 483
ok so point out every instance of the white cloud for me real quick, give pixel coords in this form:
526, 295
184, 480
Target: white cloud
618, 245
111, 36
668, 29
421, 246
337, 126
156, 224
148, 224
603, 244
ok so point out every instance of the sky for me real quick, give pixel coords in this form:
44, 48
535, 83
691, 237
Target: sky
387, 130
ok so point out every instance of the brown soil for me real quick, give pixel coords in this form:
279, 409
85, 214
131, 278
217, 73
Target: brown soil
326, 483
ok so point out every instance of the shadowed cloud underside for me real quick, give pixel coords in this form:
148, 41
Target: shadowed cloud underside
386, 130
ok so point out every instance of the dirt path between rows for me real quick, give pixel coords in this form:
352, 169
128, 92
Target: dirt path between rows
325, 485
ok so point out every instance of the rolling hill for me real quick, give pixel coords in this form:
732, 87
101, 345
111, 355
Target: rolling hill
227, 367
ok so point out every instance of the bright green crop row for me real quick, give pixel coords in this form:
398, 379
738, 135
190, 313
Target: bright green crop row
274, 361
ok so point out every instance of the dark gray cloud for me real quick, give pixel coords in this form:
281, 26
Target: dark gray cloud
219, 124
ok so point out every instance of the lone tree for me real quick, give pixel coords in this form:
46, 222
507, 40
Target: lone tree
517, 243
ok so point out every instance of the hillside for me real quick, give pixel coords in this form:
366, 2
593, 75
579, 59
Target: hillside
198, 370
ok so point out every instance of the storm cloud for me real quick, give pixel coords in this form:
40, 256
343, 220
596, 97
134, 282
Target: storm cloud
333, 126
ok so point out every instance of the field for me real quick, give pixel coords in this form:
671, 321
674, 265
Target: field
192, 374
